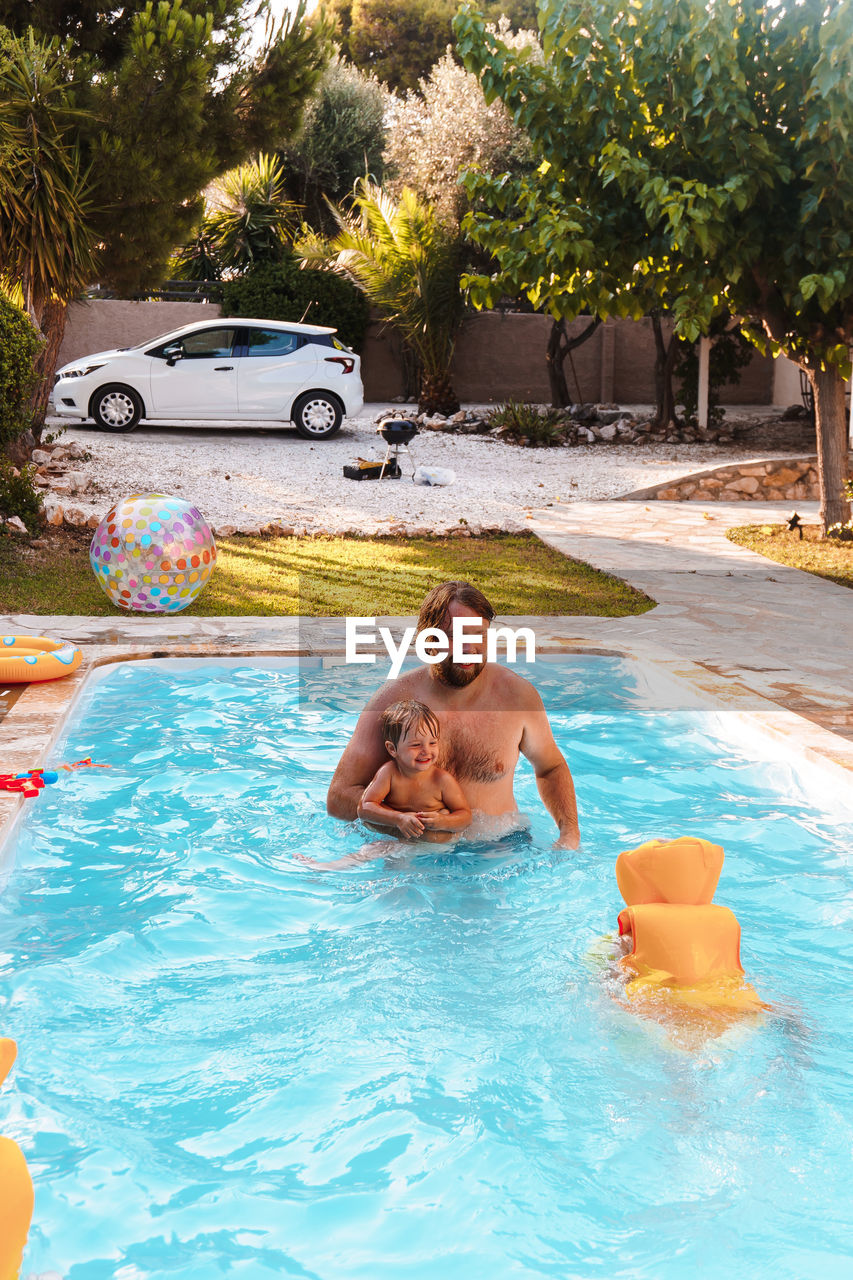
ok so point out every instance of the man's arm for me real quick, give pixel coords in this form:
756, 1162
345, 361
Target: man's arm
363, 756
553, 777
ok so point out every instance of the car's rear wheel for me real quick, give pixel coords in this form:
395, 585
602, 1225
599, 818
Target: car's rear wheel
115, 408
317, 415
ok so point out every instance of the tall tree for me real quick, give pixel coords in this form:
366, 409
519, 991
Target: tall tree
178, 98
396, 40
555, 233
169, 96
445, 127
46, 244
726, 129
401, 40
342, 139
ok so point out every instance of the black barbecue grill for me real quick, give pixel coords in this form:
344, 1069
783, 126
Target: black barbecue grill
397, 433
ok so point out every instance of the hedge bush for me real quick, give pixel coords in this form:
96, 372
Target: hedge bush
19, 495
19, 346
282, 291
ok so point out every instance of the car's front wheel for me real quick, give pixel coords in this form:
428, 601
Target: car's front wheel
115, 408
317, 415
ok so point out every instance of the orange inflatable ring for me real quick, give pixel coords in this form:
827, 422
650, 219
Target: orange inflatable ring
26, 659
16, 1190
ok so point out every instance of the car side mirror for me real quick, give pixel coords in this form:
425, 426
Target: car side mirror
173, 353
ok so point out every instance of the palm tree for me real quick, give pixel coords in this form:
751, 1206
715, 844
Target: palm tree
406, 261
251, 223
46, 245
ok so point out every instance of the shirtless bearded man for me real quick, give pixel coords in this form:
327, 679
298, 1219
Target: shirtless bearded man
488, 714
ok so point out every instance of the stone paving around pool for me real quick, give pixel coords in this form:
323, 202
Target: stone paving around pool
777, 631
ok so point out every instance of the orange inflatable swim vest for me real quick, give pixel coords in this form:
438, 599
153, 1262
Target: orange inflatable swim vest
685, 950
16, 1189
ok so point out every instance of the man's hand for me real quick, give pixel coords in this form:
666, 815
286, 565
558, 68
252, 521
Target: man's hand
410, 825
568, 839
553, 778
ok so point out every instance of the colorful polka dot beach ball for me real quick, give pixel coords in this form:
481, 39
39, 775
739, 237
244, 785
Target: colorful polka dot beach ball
152, 553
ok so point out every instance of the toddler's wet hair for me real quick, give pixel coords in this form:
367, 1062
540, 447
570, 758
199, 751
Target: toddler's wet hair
401, 717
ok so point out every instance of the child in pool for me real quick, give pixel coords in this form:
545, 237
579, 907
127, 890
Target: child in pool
410, 794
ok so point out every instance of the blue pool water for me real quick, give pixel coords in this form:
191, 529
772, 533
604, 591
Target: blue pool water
230, 1065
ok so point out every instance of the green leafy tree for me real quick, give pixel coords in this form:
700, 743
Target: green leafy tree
725, 131
88, 26
555, 235
396, 40
400, 40
20, 346
342, 139
407, 263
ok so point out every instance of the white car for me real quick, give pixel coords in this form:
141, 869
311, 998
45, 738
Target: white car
257, 370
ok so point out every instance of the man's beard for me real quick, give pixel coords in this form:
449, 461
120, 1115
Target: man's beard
454, 674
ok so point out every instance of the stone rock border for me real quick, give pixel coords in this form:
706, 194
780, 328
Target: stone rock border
578, 424
776, 480
74, 518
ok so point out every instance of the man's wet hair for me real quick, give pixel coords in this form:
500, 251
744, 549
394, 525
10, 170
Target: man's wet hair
401, 717
434, 609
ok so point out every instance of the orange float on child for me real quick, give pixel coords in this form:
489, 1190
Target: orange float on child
16, 1189
685, 950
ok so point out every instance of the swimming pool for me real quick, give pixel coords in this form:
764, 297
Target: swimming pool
232, 1065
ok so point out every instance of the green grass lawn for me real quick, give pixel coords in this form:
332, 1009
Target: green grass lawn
826, 557
334, 577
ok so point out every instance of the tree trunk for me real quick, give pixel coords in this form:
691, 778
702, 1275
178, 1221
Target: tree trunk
665, 354
437, 395
53, 319
554, 357
832, 449
559, 346
411, 367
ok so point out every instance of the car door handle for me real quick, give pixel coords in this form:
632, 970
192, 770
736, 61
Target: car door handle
223, 368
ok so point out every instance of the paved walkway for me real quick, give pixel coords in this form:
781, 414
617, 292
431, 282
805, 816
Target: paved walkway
782, 633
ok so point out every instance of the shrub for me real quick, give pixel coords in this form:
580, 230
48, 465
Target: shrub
18, 494
843, 532
282, 291
528, 424
19, 346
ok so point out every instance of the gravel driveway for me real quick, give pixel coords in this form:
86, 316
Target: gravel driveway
243, 478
